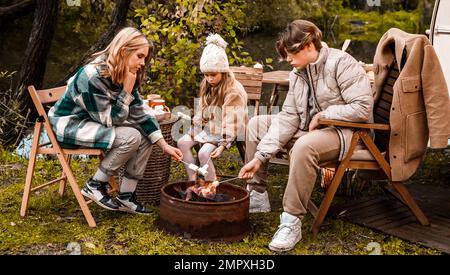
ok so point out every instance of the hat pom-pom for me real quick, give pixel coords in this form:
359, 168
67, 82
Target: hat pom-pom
216, 40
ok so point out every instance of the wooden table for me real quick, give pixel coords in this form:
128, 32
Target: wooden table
278, 78
281, 78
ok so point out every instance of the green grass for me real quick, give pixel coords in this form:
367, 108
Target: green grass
53, 221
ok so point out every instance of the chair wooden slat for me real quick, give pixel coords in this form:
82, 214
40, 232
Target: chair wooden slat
386, 97
251, 79
390, 81
51, 95
250, 83
389, 89
383, 113
385, 105
254, 97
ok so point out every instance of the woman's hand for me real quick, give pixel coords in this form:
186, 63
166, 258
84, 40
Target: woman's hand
174, 152
216, 153
129, 81
248, 171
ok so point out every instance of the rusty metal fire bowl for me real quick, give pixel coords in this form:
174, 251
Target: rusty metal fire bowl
211, 221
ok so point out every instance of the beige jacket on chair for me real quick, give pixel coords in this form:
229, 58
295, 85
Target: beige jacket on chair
420, 105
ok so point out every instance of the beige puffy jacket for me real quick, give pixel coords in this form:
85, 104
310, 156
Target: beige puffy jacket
341, 91
221, 125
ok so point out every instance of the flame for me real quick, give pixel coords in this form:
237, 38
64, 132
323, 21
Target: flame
203, 189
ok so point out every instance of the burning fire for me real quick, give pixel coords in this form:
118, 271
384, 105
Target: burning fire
203, 189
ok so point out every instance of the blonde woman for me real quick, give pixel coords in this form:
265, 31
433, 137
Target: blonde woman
101, 108
221, 113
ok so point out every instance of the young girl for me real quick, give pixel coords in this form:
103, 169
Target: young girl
222, 111
101, 108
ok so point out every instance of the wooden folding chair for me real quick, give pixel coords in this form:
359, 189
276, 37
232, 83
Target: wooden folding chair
370, 157
251, 79
41, 97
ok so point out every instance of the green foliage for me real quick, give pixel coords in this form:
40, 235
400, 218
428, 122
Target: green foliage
74, 19
12, 120
269, 15
435, 165
178, 31
370, 26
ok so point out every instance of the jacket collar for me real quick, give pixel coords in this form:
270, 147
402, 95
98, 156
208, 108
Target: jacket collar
393, 38
316, 67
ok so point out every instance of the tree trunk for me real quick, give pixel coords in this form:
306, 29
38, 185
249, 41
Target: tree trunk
8, 14
119, 18
33, 66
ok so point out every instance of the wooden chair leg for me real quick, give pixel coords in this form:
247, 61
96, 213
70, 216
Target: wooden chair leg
77, 192
273, 98
326, 202
62, 183
30, 169
410, 202
241, 148
312, 208
114, 185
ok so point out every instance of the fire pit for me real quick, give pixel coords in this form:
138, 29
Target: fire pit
206, 220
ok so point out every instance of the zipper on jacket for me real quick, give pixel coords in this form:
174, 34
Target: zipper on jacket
308, 119
312, 88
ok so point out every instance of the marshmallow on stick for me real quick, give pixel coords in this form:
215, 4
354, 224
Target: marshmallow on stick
193, 167
202, 171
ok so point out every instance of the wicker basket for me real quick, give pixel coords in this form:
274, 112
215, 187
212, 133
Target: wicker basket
157, 171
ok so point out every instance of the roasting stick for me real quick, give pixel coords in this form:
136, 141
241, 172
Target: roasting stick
191, 166
202, 170
235, 178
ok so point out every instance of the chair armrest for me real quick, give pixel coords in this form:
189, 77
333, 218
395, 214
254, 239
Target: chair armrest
340, 123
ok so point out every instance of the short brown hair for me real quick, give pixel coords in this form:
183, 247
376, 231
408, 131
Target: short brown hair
297, 35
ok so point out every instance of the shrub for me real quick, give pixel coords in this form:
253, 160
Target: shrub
12, 121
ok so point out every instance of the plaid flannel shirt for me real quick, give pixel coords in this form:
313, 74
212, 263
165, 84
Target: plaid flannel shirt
93, 106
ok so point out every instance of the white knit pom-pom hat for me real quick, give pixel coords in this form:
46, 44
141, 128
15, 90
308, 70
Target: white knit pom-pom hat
214, 59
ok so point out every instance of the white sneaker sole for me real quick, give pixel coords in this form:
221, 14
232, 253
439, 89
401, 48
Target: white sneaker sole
259, 210
94, 199
128, 210
283, 249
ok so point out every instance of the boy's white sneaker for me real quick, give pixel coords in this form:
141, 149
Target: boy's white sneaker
289, 233
259, 202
